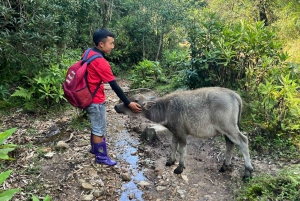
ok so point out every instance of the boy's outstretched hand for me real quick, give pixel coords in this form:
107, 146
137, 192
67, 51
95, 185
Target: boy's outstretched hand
135, 107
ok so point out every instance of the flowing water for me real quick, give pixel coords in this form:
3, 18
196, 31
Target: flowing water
125, 146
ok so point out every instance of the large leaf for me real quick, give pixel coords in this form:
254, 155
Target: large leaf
47, 198
6, 134
4, 175
7, 195
4, 152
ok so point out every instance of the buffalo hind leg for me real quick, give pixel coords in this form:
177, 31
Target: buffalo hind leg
238, 138
171, 160
228, 155
182, 152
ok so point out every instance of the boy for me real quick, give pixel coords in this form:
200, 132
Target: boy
99, 71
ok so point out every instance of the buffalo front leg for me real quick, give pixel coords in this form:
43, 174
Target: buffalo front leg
171, 160
228, 155
182, 152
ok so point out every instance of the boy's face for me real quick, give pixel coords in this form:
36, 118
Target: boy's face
107, 46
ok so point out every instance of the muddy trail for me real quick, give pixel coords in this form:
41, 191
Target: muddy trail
53, 159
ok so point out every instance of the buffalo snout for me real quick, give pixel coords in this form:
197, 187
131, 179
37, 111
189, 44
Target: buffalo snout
117, 109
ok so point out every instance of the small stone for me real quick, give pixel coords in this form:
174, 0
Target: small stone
49, 155
184, 177
87, 186
62, 145
98, 193
93, 172
125, 177
160, 188
143, 183
87, 197
131, 196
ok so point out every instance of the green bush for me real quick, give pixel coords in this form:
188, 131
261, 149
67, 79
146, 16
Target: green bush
147, 74
45, 88
284, 186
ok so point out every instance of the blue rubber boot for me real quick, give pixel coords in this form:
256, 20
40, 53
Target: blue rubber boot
92, 144
101, 154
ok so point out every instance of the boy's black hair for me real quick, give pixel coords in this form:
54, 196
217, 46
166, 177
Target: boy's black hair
100, 35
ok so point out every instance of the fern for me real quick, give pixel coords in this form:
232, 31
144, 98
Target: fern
24, 93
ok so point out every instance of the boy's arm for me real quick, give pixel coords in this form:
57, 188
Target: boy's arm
135, 107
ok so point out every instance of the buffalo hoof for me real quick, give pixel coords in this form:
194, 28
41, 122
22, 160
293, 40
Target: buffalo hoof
248, 174
170, 163
226, 168
178, 170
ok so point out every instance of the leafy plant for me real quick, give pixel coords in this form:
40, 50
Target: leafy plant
147, 73
47, 198
7, 194
4, 149
284, 186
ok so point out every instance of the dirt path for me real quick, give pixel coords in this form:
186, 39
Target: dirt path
68, 173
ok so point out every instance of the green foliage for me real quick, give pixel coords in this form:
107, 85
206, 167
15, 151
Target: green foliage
273, 94
174, 60
246, 56
47, 198
147, 74
284, 186
4, 91
4, 149
46, 86
221, 53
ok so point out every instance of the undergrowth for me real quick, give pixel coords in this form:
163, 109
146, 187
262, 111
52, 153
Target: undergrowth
285, 186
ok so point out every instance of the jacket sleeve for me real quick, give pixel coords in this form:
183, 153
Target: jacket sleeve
117, 89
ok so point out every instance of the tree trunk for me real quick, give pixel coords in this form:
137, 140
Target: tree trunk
161, 38
263, 12
106, 11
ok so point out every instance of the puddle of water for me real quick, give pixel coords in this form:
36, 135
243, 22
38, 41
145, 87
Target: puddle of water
124, 147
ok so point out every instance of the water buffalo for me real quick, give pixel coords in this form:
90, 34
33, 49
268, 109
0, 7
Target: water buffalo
205, 112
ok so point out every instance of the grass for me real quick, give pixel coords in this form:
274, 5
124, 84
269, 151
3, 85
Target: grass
285, 186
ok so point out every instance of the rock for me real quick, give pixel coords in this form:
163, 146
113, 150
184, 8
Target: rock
93, 172
87, 186
181, 193
125, 176
160, 188
184, 177
62, 145
143, 183
153, 131
49, 155
98, 193
87, 197
54, 130
131, 196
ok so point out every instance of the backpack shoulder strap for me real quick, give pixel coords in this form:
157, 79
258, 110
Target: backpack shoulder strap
86, 54
92, 58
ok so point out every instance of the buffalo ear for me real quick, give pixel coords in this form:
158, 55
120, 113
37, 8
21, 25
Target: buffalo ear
148, 105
